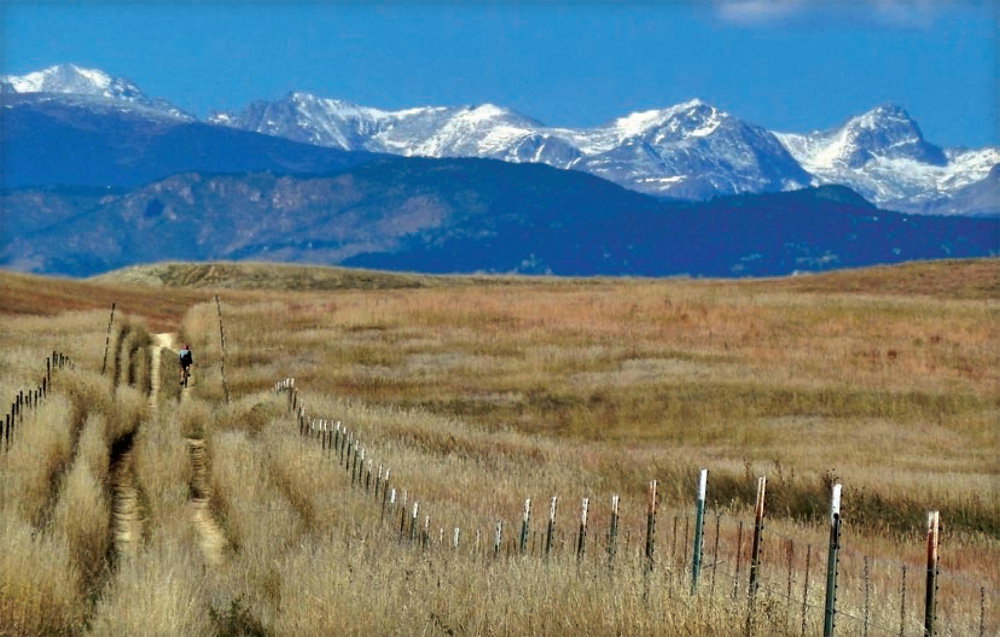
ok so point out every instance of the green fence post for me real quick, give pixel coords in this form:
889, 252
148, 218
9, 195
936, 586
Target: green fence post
831, 563
699, 522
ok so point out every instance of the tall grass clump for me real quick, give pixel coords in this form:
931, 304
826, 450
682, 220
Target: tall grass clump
33, 469
40, 586
174, 605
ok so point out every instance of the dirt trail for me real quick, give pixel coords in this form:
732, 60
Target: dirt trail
160, 342
213, 540
127, 518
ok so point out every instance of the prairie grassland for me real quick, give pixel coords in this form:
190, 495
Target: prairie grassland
193, 516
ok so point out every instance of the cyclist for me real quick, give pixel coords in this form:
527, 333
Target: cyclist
184, 357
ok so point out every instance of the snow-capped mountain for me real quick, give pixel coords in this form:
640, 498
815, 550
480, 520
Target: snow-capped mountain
71, 80
883, 155
691, 150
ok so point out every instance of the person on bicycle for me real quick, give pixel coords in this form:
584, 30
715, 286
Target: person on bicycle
185, 359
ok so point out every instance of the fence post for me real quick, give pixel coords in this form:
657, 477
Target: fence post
805, 588
552, 526
613, 531
933, 537
831, 563
524, 526
739, 557
497, 538
758, 529
650, 524
581, 540
222, 336
454, 539
699, 521
413, 520
107, 341
402, 515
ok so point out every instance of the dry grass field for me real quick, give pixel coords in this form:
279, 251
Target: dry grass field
129, 505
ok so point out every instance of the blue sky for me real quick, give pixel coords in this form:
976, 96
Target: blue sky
791, 65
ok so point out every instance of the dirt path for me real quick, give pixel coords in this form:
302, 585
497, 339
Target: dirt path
127, 518
212, 539
160, 342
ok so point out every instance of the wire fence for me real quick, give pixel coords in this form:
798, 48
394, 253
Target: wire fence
28, 400
809, 587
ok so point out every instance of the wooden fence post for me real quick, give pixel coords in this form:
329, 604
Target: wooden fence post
107, 341
650, 524
758, 530
831, 563
805, 588
222, 336
933, 538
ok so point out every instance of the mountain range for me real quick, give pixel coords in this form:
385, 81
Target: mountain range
687, 151
96, 176
465, 215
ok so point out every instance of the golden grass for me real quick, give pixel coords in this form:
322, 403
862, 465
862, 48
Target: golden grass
478, 394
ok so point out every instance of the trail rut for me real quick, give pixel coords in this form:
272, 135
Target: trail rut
212, 538
127, 517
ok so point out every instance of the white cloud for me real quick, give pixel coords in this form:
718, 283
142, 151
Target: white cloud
757, 11
919, 14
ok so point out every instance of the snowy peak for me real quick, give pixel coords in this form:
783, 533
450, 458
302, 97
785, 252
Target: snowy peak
72, 80
886, 132
693, 118
883, 155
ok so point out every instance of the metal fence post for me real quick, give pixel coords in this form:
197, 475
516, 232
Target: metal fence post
758, 529
699, 522
524, 526
933, 537
831, 563
650, 524
552, 526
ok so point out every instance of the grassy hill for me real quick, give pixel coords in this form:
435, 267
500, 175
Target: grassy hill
479, 393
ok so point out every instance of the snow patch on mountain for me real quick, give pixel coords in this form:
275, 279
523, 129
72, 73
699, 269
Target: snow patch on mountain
72, 80
689, 150
883, 155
